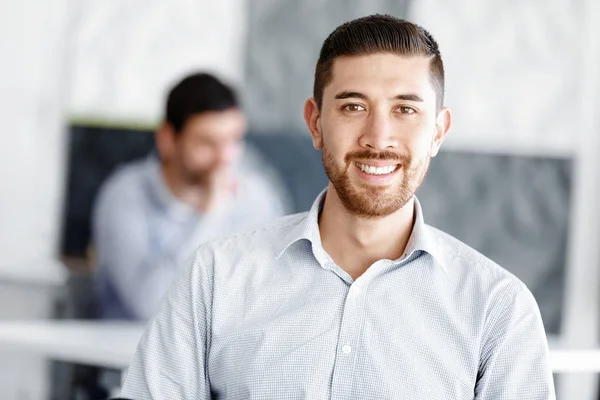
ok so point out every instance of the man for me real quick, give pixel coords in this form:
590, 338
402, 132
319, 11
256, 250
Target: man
152, 214
358, 298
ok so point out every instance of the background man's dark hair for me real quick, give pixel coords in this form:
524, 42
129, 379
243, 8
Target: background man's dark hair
196, 94
378, 34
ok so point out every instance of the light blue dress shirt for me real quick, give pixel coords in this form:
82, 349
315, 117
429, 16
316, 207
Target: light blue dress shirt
142, 234
269, 315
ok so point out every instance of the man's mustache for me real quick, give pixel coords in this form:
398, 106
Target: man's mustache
377, 155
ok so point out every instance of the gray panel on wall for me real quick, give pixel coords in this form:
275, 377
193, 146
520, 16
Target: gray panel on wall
284, 39
514, 210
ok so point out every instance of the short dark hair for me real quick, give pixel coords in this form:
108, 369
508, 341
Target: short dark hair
196, 94
378, 34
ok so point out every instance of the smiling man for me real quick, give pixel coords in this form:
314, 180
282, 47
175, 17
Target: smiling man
358, 298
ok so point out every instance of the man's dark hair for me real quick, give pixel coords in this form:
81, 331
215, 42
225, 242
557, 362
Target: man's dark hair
378, 34
196, 94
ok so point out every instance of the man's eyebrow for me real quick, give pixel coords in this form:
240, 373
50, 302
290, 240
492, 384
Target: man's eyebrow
409, 97
350, 95
357, 95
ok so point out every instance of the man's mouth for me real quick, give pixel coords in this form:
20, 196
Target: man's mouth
377, 170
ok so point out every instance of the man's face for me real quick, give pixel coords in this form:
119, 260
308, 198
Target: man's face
378, 128
209, 144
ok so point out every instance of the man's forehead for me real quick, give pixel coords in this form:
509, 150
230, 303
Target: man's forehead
387, 71
216, 122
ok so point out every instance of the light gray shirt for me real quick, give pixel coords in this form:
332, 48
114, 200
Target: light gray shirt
142, 234
269, 315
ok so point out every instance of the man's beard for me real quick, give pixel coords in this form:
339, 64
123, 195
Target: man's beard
371, 201
196, 177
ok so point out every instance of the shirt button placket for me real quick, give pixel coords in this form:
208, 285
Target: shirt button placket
343, 373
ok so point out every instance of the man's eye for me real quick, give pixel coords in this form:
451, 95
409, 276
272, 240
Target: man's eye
353, 107
406, 110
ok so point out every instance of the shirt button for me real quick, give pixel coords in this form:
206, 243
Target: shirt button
347, 349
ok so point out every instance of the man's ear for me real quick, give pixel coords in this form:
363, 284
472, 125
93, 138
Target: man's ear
443, 123
165, 140
312, 117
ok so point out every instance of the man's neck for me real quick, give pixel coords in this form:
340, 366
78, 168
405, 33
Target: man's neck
355, 243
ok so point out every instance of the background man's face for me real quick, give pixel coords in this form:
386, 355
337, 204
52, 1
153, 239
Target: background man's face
209, 143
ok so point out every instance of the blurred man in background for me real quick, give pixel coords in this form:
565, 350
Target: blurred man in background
199, 184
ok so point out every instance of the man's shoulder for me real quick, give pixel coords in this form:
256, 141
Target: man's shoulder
123, 185
267, 237
125, 178
469, 263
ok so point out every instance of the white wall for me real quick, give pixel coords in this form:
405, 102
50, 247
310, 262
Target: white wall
124, 54
32, 135
32, 153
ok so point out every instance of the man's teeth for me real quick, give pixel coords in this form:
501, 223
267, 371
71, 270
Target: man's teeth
369, 169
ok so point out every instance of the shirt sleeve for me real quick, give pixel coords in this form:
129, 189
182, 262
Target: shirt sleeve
138, 269
170, 360
514, 361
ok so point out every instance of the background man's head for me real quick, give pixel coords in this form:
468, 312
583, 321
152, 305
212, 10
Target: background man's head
203, 129
376, 111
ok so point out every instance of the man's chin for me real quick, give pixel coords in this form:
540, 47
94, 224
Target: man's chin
196, 180
370, 211
199, 178
369, 205
366, 191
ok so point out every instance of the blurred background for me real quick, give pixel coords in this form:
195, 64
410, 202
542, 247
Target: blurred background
83, 84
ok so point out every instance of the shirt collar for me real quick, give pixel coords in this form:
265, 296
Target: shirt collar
422, 238
308, 229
